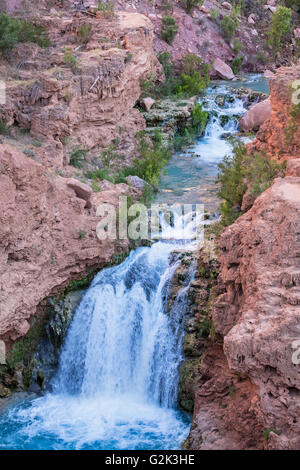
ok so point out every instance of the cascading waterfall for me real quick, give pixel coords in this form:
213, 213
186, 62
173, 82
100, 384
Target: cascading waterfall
116, 385
121, 340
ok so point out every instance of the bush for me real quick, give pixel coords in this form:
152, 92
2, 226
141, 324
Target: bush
31, 32
84, 32
9, 32
294, 4
237, 64
194, 77
241, 172
237, 45
70, 60
107, 8
228, 26
153, 158
13, 31
280, 26
199, 117
77, 156
169, 29
188, 5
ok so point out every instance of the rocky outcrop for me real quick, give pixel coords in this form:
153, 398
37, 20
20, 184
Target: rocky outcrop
256, 116
248, 394
258, 314
80, 94
279, 136
47, 237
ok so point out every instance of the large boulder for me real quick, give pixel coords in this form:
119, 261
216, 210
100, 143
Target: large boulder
256, 116
223, 70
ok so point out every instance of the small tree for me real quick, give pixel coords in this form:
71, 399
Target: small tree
169, 28
188, 5
9, 32
280, 26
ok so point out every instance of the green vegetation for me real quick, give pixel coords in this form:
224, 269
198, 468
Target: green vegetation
199, 117
153, 158
293, 124
70, 60
107, 8
84, 33
31, 32
13, 30
192, 80
4, 128
237, 45
280, 26
194, 77
241, 172
188, 5
267, 433
237, 64
228, 26
77, 156
169, 29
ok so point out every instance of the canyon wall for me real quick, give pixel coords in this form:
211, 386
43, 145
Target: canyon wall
48, 209
248, 394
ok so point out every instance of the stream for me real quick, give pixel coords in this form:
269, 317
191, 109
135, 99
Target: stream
116, 384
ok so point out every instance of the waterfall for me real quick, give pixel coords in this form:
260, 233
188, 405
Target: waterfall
122, 340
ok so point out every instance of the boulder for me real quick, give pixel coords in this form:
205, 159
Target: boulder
256, 115
147, 103
82, 190
268, 74
227, 5
137, 182
223, 70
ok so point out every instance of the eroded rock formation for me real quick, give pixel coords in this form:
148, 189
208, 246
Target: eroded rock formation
250, 375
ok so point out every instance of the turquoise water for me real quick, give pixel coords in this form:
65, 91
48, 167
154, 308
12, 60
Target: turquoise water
189, 176
116, 385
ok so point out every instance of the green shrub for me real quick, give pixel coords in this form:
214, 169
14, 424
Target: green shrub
4, 128
214, 14
77, 156
237, 64
237, 45
228, 26
153, 157
194, 77
107, 8
13, 31
280, 26
70, 60
199, 117
84, 32
169, 29
261, 57
9, 32
188, 5
240, 172
31, 32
